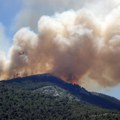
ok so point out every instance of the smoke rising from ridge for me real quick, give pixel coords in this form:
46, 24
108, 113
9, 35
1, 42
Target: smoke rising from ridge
70, 45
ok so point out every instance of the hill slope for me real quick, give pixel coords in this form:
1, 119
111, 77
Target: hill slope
82, 94
46, 97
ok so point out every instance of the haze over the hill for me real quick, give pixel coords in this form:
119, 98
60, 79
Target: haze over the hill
78, 44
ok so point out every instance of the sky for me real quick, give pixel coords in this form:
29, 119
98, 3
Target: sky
15, 14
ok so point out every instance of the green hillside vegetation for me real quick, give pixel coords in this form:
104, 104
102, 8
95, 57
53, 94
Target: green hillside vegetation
45, 101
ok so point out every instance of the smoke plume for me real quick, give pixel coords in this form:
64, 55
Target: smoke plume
71, 45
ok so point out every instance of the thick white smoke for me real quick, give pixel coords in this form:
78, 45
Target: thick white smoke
70, 45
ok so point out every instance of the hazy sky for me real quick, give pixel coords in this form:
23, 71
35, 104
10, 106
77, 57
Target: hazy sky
15, 14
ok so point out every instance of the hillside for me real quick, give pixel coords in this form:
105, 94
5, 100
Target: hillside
45, 97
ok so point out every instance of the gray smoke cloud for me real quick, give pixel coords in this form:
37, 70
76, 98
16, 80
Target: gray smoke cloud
71, 45
36, 8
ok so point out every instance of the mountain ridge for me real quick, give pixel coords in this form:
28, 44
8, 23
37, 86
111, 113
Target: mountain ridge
46, 97
81, 93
